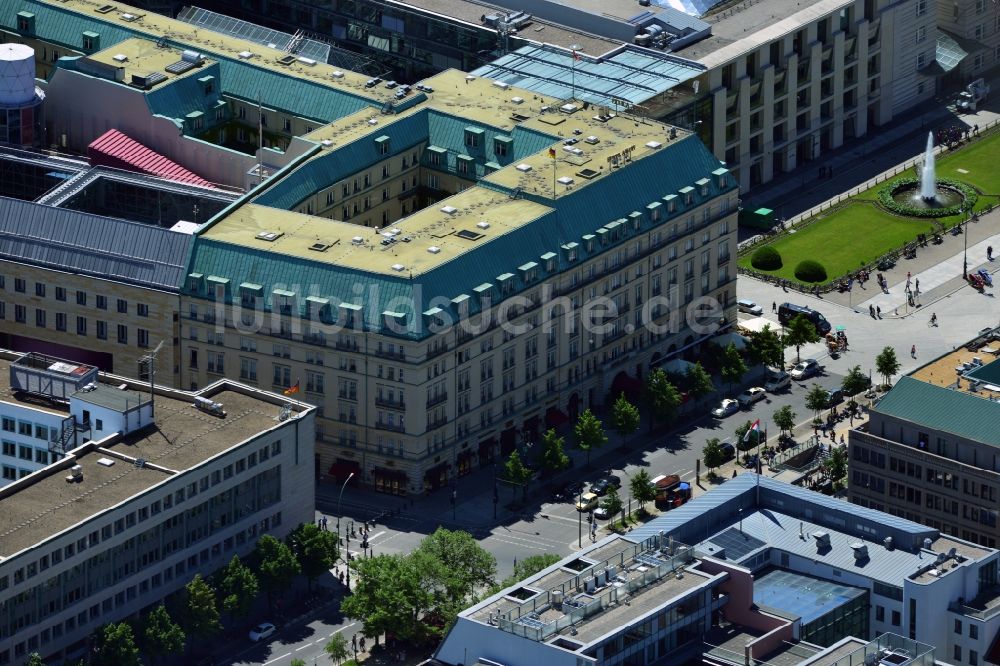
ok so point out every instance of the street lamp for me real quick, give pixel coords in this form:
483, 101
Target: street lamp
340, 497
965, 253
579, 513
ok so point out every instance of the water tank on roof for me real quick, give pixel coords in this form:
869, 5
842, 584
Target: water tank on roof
17, 74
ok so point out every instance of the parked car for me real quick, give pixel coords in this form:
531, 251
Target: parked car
805, 369
835, 397
605, 483
601, 513
726, 407
751, 395
262, 631
777, 380
728, 449
587, 502
748, 306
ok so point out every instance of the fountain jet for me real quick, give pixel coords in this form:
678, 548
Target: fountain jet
928, 184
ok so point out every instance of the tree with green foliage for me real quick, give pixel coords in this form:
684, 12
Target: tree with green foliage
612, 502
800, 331
34, 659
298, 662
589, 433
855, 382
784, 418
554, 456
161, 636
389, 596
516, 473
699, 382
201, 614
278, 567
238, 587
663, 398
465, 565
744, 443
336, 648
524, 568
835, 467
886, 364
642, 489
712, 454
817, 399
315, 549
115, 646
733, 368
624, 417
765, 348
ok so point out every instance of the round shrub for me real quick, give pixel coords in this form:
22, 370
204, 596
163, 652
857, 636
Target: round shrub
766, 258
810, 271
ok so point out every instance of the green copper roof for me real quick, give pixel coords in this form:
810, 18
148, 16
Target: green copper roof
937, 408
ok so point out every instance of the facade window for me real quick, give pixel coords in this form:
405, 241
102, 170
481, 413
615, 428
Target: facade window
921, 34
216, 362
40, 318
19, 285
315, 382
142, 337
102, 330
60, 293
248, 369
40, 289
81, 298
101, 302
921, 7
81, 325
957, 653
142, 309
896, 619
282, 376
122, 334
20, 314
122, 306
973, 631
958, 627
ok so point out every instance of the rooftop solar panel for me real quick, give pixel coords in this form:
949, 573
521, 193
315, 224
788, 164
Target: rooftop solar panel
736, 543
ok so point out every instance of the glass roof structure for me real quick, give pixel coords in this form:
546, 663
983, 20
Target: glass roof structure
804, 596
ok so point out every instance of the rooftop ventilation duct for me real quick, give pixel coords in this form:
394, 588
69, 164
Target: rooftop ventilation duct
860, 551
822, 539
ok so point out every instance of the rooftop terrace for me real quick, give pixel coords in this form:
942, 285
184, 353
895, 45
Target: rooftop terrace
610, 585
44, 503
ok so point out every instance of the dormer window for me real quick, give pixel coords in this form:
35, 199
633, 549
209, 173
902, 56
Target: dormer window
382, 144
473, 137
703, 186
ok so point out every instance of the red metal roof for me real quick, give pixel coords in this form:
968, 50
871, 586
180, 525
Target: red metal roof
119, 151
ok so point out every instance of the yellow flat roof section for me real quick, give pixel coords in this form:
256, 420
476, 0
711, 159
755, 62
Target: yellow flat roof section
368, 121
142, 56
423, 241
208, 42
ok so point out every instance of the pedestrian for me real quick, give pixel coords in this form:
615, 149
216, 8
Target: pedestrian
975, 128
989, 253
878, 311
326, 521
916, 284
913, 351
871, 311
734, 473
774, 305
842, 439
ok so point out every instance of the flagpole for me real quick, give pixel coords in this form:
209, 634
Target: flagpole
573, 48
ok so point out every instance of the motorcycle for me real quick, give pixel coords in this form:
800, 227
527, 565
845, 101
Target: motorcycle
986, 277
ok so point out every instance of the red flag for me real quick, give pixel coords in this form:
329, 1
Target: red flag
576, 56
293, 388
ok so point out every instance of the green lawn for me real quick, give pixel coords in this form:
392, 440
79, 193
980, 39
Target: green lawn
861, 231
844, 239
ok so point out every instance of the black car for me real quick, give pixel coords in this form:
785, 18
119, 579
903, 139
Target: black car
605, 483
569, 492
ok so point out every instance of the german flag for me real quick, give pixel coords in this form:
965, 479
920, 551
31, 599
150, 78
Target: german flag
293, 389
552, 153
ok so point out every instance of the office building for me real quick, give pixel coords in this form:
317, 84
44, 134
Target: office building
417, 263
930, 450
142, 491
762, 572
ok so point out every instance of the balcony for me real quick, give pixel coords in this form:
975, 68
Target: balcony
346, 345
437, 400
431, 425
396, 354
390, 403
394, 427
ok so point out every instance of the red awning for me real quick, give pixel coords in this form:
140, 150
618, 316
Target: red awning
344, 468
119, 151
630, 386
555, 417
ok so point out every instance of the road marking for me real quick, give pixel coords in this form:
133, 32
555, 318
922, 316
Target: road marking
343, 628
568, 520
376, 536
287, 654
687, 475
303, 647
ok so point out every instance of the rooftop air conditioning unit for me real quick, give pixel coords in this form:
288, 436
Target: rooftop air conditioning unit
192, 56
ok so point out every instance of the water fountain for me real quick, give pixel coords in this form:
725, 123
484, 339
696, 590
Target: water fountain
928, 195
928, 183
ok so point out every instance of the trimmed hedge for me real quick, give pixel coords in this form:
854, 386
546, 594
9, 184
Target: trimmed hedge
810, 271
766, 258
885, 198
